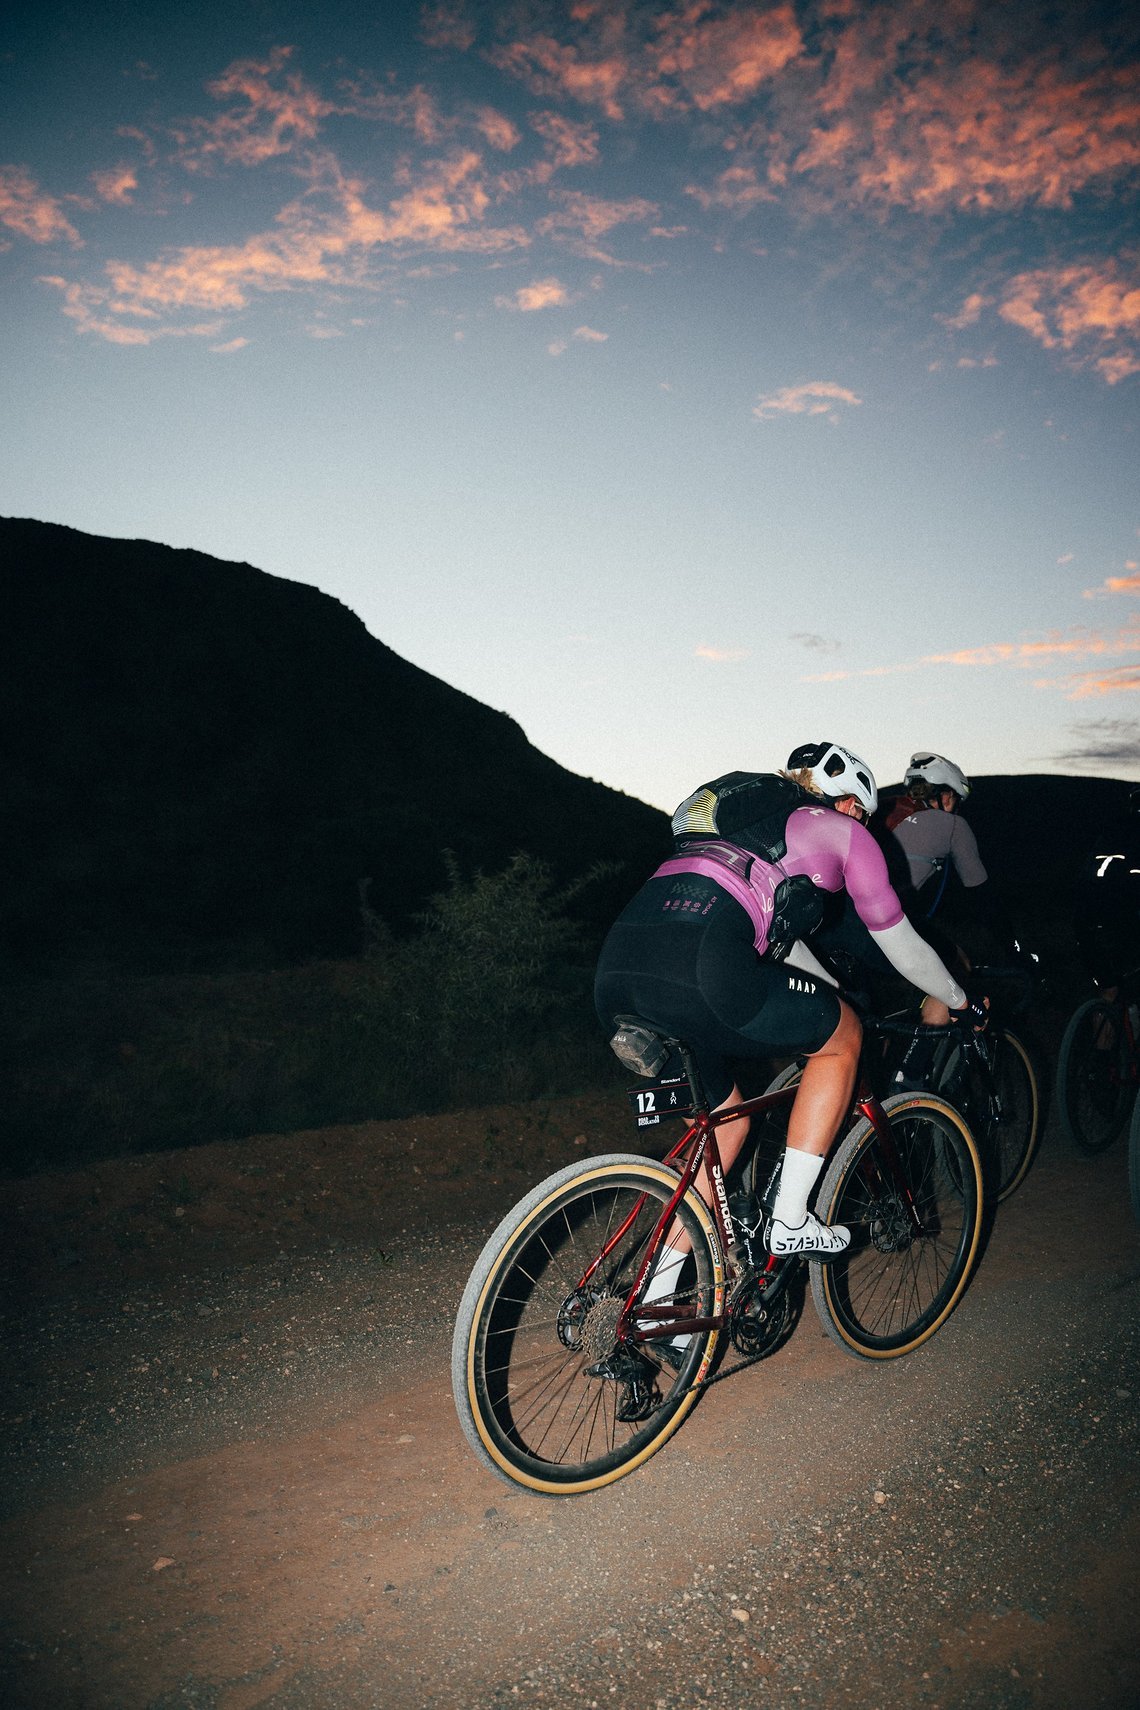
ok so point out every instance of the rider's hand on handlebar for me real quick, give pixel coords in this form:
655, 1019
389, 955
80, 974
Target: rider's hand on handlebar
975, 1015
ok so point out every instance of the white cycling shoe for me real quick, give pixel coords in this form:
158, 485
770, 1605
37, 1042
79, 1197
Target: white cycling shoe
811, 1239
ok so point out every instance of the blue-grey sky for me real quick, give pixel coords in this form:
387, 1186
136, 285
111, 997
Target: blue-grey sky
686, 380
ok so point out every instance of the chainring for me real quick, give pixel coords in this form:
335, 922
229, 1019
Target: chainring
756, 1324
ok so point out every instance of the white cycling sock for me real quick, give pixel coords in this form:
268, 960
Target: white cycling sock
798, 1174
662, 1281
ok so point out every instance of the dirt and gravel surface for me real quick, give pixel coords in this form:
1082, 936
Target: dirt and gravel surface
232, 1474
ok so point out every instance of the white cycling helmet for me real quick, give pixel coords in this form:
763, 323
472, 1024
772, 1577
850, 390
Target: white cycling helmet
836, 772
935, 769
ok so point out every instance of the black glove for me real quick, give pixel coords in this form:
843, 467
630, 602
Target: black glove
975, 1016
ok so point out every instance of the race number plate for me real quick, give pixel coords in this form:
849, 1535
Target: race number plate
664, 1098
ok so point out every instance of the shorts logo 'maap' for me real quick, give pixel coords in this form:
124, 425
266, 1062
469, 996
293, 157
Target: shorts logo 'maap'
797, 984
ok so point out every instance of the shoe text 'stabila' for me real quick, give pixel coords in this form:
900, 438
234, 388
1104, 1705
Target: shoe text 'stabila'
811, 1238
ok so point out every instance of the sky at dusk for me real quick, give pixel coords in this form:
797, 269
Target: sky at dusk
687, 381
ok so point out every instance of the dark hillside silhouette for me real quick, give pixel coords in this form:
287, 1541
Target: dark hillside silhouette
1034, 829
202, 761
204, 758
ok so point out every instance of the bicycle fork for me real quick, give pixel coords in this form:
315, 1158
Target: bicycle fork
869, 1164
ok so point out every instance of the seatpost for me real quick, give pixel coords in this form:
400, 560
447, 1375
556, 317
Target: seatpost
693, 1076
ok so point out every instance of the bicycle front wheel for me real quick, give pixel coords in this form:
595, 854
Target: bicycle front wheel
1094, 1084
914, 1210
1011, 1125
540, 1314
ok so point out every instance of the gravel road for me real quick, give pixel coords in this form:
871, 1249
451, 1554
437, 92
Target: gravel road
234, 1478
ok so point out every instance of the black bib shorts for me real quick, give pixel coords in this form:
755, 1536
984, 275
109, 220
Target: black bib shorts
682, 957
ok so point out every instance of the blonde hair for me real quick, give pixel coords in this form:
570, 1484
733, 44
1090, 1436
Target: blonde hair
805, 778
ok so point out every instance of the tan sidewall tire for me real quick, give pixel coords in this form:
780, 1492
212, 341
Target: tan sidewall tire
505, 1241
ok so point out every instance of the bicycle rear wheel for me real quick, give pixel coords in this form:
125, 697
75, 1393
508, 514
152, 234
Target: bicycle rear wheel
537, 1314
904, 1272
1094, 1086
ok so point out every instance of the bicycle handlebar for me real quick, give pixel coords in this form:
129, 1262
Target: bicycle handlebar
906, 1029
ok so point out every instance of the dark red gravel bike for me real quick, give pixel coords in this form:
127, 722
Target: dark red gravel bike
567, 1377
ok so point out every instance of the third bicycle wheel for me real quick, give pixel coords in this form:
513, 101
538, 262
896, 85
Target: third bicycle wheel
1094, 1086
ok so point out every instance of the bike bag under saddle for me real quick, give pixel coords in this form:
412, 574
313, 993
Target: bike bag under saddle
638, 1047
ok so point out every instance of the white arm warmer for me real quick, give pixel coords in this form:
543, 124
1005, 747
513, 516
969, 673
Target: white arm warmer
917, 962
799, 956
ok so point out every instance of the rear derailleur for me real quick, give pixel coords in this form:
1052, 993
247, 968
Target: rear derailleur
627, 1366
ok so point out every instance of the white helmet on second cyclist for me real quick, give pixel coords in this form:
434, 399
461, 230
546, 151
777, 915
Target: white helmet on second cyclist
936, 770
836, 772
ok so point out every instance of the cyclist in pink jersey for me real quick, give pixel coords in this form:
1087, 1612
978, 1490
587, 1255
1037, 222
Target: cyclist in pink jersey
711, 950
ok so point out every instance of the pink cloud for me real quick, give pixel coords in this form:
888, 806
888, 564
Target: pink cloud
1115, 585
814, 398
117, 184
720, 655
94, 310
737, 188
698, 57
984, 137
593, 216
949, 110
276, 109
497, 129
568, 142
708, 61
897, 105
1087, 643
1091, 313
541, 294
551, 68
968, 315
322, 241
30, 211
1020, 655
827, 147
445, 27
1124, 680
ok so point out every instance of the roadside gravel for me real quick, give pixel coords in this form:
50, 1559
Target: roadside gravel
232, 1475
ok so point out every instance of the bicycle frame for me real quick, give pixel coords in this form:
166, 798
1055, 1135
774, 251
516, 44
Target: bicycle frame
649, 1322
